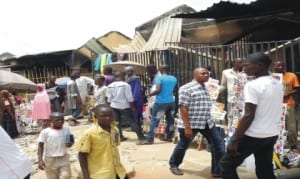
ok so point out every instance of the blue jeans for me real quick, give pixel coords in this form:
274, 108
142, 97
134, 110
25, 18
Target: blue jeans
158, 111
127, 114
262, 148
212, 136
76, 112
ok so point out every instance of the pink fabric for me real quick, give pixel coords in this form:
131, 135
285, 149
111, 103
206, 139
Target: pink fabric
41, 107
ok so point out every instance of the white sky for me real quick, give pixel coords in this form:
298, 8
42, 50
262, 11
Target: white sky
35, 26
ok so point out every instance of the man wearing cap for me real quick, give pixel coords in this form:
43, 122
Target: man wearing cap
136, 89
120, 98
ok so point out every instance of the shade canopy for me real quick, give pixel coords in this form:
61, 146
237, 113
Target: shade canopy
120, 66
14, 81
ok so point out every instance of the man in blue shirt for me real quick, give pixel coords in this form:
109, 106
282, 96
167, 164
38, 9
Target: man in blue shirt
164, 104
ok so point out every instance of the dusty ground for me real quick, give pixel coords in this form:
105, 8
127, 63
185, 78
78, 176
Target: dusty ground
142, 162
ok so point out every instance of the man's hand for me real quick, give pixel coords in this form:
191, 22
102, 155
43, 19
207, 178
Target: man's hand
188, 132
41, 165
232, 148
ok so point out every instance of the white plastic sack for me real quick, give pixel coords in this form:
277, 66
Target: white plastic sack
249, 162
14, 164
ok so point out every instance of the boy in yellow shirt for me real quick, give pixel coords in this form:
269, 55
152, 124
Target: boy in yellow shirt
98, 148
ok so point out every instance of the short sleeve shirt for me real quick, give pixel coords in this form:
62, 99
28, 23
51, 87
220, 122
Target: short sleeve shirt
167, 84
267, 94
103, 155
100, 94
197, 99
290, 82
54, 141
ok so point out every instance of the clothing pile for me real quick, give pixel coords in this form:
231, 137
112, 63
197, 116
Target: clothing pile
290, 159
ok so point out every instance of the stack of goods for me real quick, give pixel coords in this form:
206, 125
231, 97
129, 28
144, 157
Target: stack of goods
25, 123
282, 138
217, 111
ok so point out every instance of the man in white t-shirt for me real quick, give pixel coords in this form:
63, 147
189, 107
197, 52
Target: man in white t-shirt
258, 128
52, 152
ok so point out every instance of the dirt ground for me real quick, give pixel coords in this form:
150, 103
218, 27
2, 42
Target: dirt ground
141, 162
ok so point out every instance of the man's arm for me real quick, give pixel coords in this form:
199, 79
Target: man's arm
84, 164
243, 125
184, 112
223, 89
156, 91
40, 156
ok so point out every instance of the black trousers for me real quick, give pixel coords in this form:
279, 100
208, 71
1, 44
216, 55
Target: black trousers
261, 148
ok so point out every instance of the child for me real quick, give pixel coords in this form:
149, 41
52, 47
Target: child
52, 153
98, 152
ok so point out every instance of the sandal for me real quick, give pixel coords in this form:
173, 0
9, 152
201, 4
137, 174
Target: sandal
215, 175
176, 171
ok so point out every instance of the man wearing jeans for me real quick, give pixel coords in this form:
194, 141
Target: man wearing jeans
195, 116
259, 127
164, 104
120, 98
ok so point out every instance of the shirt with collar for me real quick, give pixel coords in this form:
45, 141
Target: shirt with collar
119, 95
233, 81
102, 149
196, 98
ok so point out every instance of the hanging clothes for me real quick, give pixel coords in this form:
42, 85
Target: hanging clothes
98, 62
109, 59
103, 62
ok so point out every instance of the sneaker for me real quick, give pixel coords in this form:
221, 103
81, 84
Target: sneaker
176, 171
147, 142
215, 175
166, 140
123, 139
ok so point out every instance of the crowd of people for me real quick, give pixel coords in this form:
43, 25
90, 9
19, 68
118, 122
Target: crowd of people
118, 99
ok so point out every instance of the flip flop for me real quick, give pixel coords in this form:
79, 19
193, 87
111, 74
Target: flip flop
176, 171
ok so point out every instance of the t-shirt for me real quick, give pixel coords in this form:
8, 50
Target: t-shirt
100, 94
290, 82
267, 93
103, 156
167, 84
54, 141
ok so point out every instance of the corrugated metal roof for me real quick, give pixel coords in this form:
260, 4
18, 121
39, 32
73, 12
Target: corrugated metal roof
113, 39
146, 28
136, 45
92, 46
226, 10
166, 30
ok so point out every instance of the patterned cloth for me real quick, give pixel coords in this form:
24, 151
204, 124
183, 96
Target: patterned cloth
196, 97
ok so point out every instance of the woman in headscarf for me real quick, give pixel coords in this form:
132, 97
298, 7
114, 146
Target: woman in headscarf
41, 107
8, 115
